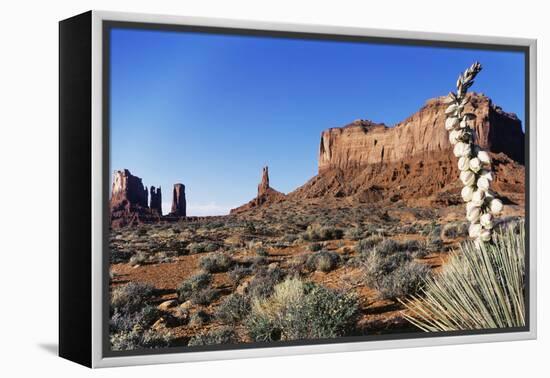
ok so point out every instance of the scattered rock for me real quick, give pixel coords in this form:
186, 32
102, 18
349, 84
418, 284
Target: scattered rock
186, 305
159, 324
167, 304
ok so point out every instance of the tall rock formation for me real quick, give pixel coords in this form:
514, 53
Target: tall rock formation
263, 186
266, 195
156, 201
128, 203
414, 158
179, 205
127, 189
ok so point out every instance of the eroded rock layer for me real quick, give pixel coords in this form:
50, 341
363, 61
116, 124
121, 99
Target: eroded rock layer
413, 159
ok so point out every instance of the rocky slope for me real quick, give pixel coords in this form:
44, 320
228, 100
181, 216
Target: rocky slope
413, 159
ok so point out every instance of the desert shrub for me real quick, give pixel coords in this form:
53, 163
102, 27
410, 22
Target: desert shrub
211, 247
409, 229
324, 261
455, 230
421, 252
142, 231
301, 311
199, 318
388, 247
318, 233
120, 256
204, 296
314, 247
130, 297
238, 272
365, 245
139, 339
264, 281
406, 279
290, 238
196, 248
138, 259
377, 265
479, 288
354, 233
126, 321
233, 308
434, 243
216, 262
192, 285
219, 336
261, 251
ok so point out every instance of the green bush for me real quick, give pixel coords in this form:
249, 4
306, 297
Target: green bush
261, 251
216, 262
319, 233
314, 247
365, 245
126, 321
205, 296
139, 258
202, 247
478, 288
296, 311
193, 285
199, 318
130, 297
220, 336
324, 261
354, 233
139, 339
264, 281
196, 248
233, 308
455, 230
238, 272
407, 279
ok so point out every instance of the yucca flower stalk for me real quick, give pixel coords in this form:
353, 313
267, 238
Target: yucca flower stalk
479, 288
474, 163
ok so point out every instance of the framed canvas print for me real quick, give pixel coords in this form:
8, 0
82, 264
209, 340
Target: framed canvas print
234, 189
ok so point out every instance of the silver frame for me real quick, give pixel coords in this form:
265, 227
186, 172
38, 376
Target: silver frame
98, 360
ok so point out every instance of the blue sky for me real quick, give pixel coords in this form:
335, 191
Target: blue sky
210, 110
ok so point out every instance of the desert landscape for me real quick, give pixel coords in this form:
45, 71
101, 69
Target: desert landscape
333, 258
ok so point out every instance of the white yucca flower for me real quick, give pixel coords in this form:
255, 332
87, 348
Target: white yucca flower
464, 163
474, 164
468, 178
467, 193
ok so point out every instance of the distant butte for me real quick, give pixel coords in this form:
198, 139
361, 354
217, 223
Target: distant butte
131, 204
412, 160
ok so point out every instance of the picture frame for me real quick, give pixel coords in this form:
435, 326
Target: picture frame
85, 187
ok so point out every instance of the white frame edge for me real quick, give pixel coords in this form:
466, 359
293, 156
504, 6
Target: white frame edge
98, 360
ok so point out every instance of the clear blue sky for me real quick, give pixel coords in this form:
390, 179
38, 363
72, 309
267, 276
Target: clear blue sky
210, 110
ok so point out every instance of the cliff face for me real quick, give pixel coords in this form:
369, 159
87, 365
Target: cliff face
413, 159
127, 188
364, 143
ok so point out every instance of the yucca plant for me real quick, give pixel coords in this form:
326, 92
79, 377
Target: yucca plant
474, 163
481, 287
